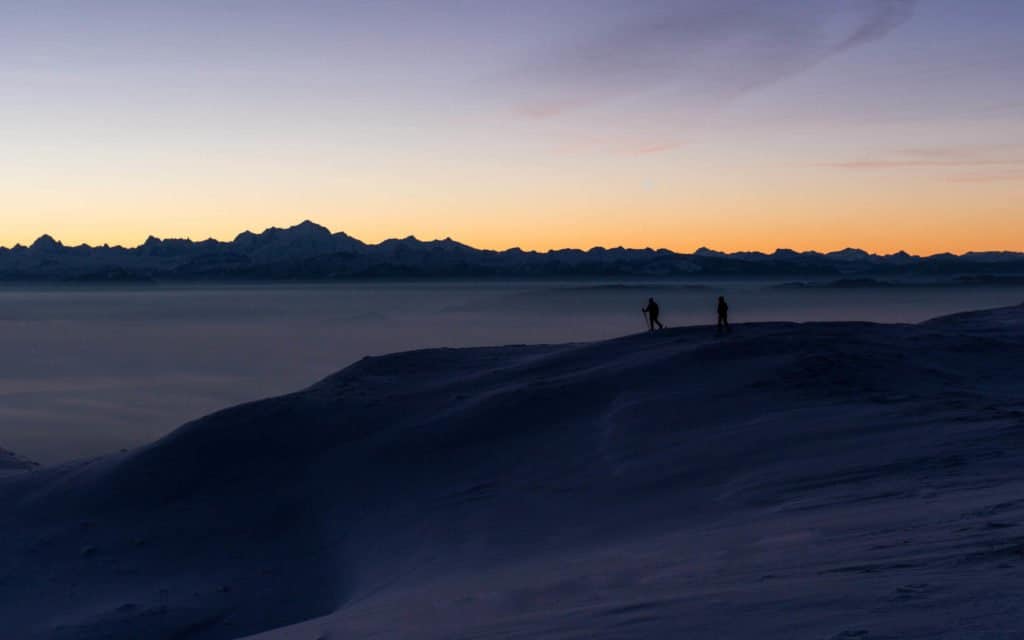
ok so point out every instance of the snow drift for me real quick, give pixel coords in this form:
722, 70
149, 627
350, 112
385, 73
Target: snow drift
827, 480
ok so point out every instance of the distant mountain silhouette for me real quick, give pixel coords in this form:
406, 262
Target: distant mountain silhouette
309, 251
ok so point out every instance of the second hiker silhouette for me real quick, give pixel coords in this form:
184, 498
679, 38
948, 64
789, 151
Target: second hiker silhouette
652, 311
723, 315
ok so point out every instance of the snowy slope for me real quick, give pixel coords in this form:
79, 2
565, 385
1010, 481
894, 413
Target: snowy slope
831, 480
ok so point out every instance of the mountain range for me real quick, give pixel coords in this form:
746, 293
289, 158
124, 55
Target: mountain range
309, 251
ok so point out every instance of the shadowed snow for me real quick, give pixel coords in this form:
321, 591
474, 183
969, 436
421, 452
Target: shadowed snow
824, 480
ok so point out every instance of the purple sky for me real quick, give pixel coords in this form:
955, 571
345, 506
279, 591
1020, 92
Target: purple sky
731, 123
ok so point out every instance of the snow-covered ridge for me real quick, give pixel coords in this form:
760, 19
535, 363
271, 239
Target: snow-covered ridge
309, 251
824, 480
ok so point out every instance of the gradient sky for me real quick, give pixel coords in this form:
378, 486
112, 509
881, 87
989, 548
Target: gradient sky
735, 124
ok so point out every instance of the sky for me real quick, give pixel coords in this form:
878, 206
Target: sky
733, 124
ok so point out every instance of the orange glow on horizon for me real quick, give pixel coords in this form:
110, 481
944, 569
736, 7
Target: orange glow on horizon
741, 233
649, 203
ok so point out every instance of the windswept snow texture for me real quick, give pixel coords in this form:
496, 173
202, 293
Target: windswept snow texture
826, 480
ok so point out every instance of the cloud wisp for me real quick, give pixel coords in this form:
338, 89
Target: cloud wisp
969, 163
661, 72
700, 54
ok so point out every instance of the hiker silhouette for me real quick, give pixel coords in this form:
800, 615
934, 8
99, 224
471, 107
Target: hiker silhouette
652, 311
723, 315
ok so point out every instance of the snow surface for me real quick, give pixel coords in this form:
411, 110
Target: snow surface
823, 480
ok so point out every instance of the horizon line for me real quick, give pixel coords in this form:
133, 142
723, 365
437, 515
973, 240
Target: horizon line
309, 222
